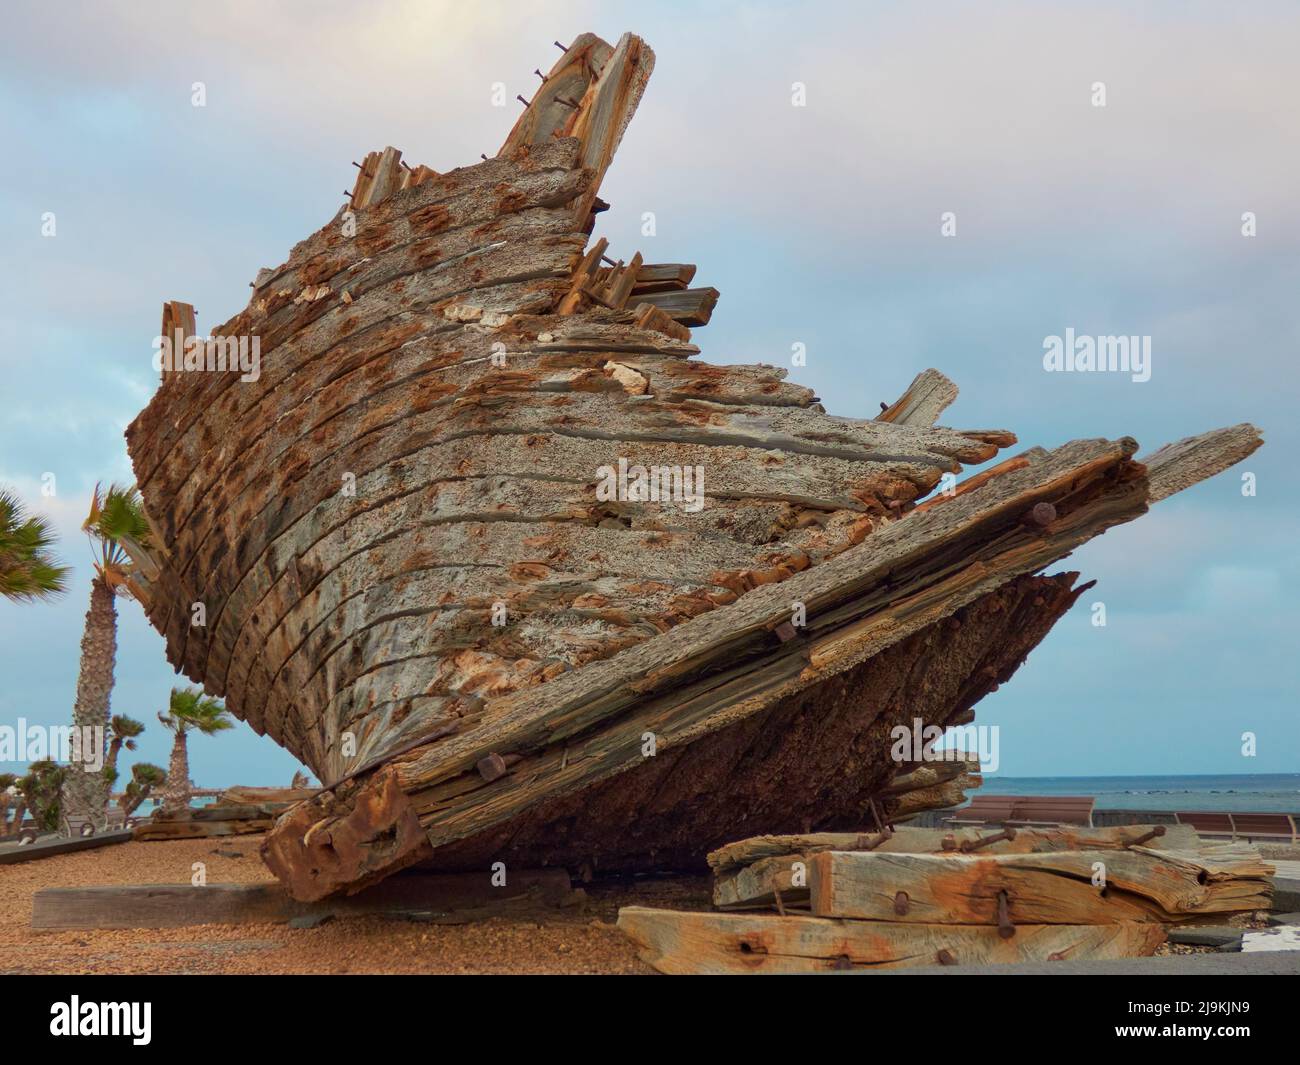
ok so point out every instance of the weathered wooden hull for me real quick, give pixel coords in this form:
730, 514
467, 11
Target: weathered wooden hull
392, 548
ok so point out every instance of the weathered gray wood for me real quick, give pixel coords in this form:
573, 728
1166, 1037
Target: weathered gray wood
1060, 887
681, 943
928, 396
690, 306
1195, 458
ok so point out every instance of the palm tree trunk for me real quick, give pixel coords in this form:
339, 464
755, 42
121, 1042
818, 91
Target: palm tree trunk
85, 794
176, 792
110, 760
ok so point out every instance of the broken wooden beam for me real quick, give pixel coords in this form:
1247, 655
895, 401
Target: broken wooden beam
688, 306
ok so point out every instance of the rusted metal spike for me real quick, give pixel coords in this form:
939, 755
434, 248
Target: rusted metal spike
785, 632
607, 260
539, 74
972, 845
870, 843
520, 97
560, 46
944, 957
1005, 928
1159, 830
901, 902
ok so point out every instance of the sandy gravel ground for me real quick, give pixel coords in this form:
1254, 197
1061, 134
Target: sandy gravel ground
582, 940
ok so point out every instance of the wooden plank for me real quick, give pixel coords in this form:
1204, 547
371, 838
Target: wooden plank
749, 872
1186, 462
1048, 888
683, 943
928, 396
469, 895
152, 831
689, 306
47, 847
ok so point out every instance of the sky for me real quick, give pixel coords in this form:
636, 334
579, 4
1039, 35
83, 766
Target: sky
821, 226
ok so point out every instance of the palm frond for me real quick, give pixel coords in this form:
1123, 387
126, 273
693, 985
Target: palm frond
28, 569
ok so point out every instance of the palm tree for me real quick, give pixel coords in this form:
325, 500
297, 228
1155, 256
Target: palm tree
118, 531
28, 570
189, 709
122, 731
145, 777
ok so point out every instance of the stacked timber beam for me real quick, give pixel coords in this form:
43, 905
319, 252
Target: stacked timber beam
924, 897
435, 570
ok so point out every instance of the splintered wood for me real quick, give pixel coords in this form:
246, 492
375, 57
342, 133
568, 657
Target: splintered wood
439, 568
928, 897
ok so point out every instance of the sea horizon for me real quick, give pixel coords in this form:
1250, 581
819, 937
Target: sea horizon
1229, 792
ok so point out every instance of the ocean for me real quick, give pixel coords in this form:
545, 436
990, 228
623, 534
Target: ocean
1254, 793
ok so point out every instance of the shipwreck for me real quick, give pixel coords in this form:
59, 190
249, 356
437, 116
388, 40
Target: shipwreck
412, 581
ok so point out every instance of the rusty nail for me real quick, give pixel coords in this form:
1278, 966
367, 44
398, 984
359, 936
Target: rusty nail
560, 46
842, 962
1159, 830
357, 165
520, 98
900, 903
1005, 928
404, 164
975, 844
884, 406
776, 894
944, 957
539, 74
482, 156
785, 632
949, 843
607, 259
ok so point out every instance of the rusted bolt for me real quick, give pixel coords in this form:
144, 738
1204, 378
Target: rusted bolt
901, 903
944, 957
492, 767
971, 845
1005, 928
1159, 830
1042, 515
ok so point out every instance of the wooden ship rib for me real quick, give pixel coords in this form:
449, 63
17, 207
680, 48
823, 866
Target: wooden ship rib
445, 367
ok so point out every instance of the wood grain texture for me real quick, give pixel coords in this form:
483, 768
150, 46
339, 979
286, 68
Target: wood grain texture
703, 944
